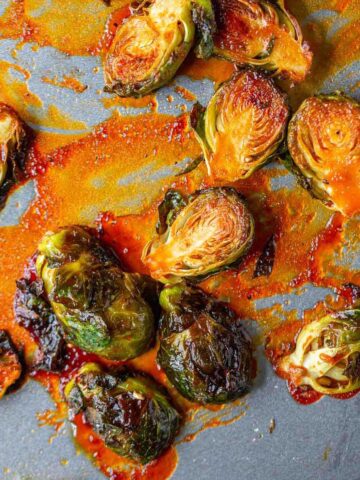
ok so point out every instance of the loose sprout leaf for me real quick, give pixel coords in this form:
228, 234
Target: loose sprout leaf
10, 365
34, 312
264, 265
150, 46
100, 307
168, 210
262, 34
197, 121
192, 165
327, 354
211, 231
243, 126
132, 414
203, 349
324, 144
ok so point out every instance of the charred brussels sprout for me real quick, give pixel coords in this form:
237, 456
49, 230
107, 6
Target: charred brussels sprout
132, 414
33, 312
327, 354
202, 346
262, 33
12, 145
150, 46
199, 235
10, 365
243, 125
100, 307
324, 144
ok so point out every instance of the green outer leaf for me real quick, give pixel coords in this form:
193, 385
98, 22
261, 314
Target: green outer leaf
170, 298
205, 22
130, 411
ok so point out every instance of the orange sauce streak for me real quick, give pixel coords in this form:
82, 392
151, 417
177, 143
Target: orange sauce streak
67, 82
214, 69
185, 93
15, 91
342, 5
55, 24
11, 25
149, 101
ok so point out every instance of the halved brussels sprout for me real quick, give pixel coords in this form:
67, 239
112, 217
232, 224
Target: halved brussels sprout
243, 125
10, 365
202, 346
327, 354
324, 143
132, 414
150, 46
199, 235
100, 306
262, 33
12, 139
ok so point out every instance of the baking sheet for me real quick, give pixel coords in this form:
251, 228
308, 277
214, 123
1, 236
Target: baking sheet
319, 441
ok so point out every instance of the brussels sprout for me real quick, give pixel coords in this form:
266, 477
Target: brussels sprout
34, 312
262, 33
327, 354
202, 346
150, 46
324, 144
132, 414
100, 307
10, 365
12, 142
243, 125
199, 235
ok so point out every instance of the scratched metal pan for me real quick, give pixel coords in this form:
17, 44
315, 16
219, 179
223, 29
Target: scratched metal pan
320, 441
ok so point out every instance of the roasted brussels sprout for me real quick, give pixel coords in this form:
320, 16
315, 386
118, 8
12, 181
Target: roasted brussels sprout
262, 33
324, 144
327, 354
10, 365
203, 349
34, 312
100, 307
12, 143
150, 46
132, 414
199, 235
243, 125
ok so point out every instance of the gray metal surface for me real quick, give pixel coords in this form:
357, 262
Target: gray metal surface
316, 442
